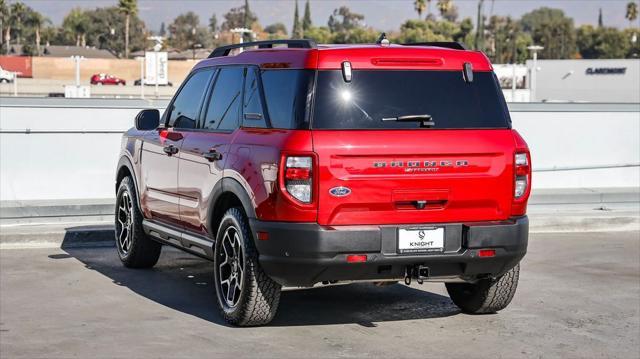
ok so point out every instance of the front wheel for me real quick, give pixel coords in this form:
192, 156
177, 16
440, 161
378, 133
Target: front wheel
486, 295
246, 295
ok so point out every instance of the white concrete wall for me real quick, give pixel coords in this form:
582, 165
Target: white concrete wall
58, 161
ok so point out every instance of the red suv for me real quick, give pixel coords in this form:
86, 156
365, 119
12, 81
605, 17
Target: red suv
300, 164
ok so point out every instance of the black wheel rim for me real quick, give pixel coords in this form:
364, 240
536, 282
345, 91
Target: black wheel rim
230, 267
124, 223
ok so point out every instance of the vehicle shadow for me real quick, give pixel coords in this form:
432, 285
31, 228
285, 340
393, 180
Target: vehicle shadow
184, 283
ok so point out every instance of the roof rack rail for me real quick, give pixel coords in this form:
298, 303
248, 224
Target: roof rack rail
447, 44
296, 44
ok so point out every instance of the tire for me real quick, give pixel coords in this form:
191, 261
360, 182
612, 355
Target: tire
134, 247
486, 295
249, 297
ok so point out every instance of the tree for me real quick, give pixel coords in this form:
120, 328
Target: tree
600, 24
632, 12
451, 13
551, 29
76, 23
18, 13
5, 25
444, 6
213, 24
163, 29
321, 34
239, 17
343, 19
106, 24
128, 8
479, 43
276, 28
296, 31
306, 19
419, 6
602, 42
186, 32
36, 21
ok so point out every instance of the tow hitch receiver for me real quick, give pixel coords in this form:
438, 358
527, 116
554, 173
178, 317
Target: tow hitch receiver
419, 272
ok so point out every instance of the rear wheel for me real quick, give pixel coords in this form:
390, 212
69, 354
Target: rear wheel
135, 248
246, 295
486, 295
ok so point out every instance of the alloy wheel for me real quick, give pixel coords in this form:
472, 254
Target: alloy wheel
230, 267
124, 223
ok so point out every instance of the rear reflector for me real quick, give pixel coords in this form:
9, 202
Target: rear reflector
356, 258
487, 253
263, 236
298, 174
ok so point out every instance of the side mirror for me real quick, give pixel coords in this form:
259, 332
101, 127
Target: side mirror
147, 120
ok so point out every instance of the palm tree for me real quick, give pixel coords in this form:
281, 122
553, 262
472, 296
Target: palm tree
5, 24
632, 12
444, 6
77, 23
36, 21
419, 6
18, 12
127, 7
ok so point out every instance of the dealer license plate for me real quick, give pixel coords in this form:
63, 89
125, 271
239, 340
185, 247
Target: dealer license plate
419, 240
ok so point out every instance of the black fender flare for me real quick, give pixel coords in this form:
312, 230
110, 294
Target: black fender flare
225, 185
126, 162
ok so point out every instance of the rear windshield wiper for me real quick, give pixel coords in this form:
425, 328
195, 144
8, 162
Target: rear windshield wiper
425, 120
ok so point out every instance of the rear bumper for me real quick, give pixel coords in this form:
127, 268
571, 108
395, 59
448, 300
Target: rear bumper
302, 254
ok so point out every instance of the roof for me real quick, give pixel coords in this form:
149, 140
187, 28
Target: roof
361, 57
87, 52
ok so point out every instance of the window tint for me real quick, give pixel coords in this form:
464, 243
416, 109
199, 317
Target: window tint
224, 104
253, 116
286, 93
380, 99
186, 106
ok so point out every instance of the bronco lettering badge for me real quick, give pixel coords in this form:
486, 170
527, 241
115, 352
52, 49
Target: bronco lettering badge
340, 191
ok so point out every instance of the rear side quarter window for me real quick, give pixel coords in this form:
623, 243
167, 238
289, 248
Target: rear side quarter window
287, 93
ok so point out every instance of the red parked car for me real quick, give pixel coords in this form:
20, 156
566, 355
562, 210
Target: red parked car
105, 79
304, 164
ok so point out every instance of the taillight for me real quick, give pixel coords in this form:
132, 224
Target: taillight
298, 177
522, 171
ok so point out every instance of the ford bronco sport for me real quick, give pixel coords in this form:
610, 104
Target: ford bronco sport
295, 164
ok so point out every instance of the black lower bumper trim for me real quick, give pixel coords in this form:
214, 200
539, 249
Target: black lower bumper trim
302, 254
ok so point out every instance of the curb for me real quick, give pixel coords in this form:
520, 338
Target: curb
103, 235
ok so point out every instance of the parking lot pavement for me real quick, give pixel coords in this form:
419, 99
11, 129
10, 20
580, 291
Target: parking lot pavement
578, 297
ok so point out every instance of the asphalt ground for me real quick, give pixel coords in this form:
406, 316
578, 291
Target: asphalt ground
579, 297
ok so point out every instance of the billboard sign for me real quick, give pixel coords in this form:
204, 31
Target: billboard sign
159, 61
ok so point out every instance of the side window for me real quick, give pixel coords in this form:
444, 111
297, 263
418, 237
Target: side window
185, 108
252, 107
224, 104
285, 93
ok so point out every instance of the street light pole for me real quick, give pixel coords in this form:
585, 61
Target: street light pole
534, 70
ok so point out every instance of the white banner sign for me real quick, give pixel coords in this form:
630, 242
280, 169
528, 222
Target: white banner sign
159, 61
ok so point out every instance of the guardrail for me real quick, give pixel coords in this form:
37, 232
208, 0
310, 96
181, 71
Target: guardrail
59, 149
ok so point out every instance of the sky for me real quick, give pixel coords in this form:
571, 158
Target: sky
380, 14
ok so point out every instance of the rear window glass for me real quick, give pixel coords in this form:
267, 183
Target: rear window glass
390, 99
285, 92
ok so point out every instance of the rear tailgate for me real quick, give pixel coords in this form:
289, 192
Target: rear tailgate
404, 177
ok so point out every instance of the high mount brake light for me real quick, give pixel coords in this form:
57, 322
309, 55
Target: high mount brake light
298, 179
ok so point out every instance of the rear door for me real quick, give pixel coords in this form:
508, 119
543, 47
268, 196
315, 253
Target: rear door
205, 151
381, 161
160, 150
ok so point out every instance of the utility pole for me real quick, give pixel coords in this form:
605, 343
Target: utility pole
534, 70
480, 28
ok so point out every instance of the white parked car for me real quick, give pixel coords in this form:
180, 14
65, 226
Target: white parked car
6, 76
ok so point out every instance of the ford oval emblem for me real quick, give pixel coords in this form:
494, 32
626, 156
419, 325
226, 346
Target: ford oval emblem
340, 191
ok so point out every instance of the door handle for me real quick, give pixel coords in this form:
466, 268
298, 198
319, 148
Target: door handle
170, 150
212, 155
